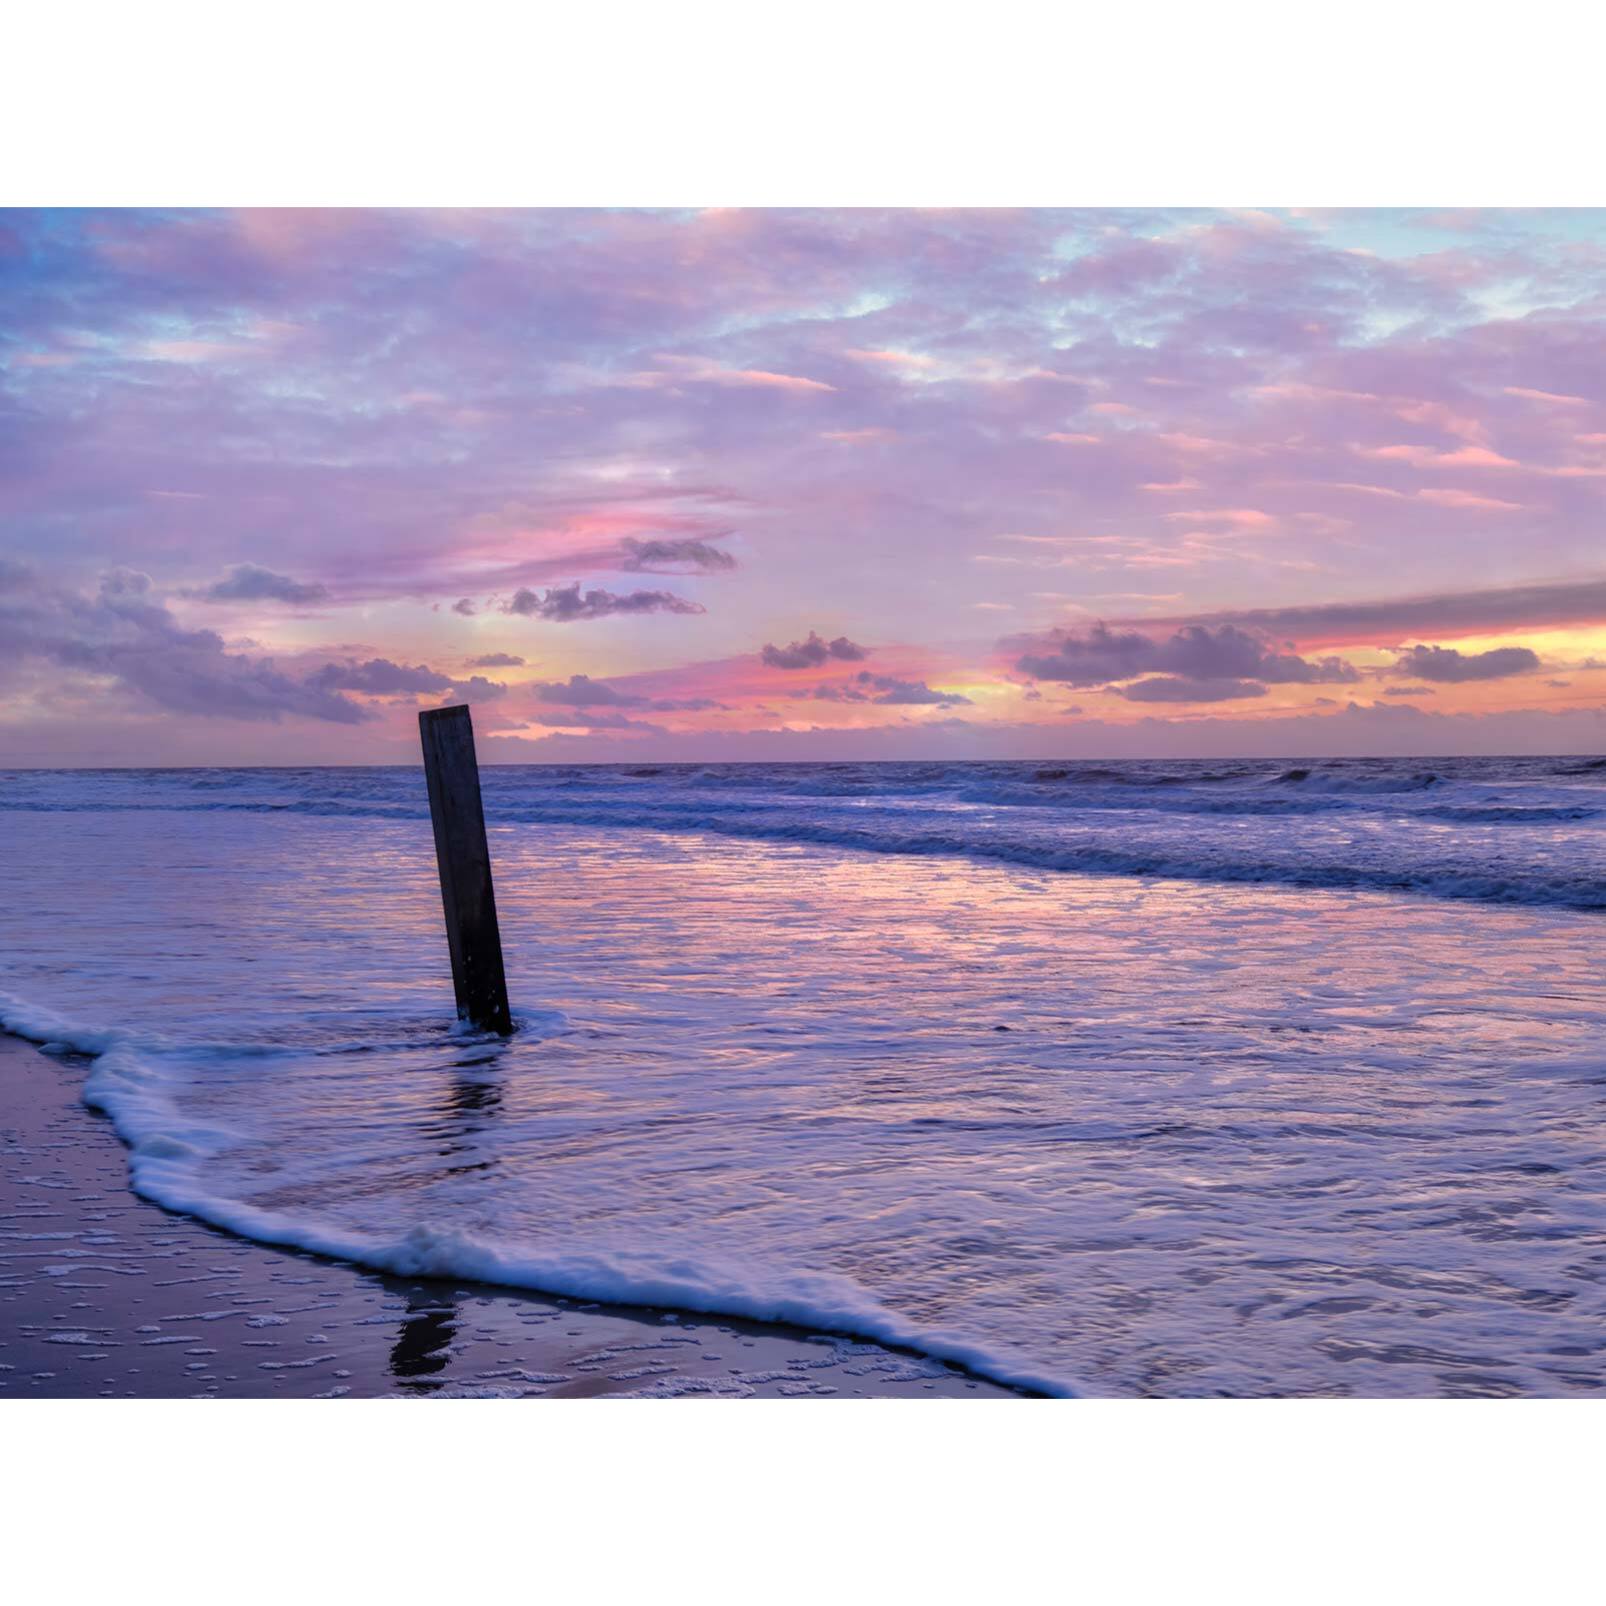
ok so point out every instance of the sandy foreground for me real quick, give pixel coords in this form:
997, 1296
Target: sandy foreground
104, 1294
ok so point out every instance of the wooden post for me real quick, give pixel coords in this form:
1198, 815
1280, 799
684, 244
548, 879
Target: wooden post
472, 934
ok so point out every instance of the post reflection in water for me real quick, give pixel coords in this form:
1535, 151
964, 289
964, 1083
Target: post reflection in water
423, 1346
470, 1099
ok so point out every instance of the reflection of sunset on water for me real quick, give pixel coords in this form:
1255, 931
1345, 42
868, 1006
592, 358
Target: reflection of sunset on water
1134, 1135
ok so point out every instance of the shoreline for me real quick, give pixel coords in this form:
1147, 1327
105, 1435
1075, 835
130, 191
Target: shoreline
105, 1294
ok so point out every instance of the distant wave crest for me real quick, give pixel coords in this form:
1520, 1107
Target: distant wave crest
1509, 831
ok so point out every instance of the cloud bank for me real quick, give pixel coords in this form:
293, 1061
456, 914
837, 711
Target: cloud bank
1196, 654
123, 636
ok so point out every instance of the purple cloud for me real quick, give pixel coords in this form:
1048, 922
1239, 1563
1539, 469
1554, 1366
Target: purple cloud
581, 691
1195, 653
250, 582
1175, 689
674, 556
564, 604
1448, 664
123, 636
1443, 612
811, 652
891, 690
593, 720
379, 677
888, 691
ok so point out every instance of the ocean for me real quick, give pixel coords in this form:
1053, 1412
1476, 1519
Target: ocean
1165, 1078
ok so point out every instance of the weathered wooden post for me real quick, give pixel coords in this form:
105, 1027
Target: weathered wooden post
472, 933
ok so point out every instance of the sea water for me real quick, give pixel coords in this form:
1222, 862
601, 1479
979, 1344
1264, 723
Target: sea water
1133, 1078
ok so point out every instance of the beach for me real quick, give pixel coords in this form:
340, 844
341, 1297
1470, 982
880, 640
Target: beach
1155, 1080
106, 1295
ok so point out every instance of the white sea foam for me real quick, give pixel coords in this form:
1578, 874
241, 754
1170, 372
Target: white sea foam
138, 1091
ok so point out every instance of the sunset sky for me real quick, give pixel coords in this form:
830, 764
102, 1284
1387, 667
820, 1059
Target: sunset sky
772, 485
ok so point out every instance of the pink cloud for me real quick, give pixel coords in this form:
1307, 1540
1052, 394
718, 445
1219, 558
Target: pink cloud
1465, 499
1546, 396
1440, 416
693, 370
1289, 390
1366, 490
1236, 518
900, 359
1203, 444
192, 350
1429, 457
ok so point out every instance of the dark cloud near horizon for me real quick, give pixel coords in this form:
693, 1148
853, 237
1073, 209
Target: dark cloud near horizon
465, 607
1194, 653
1410, 691
581, 691
477, 686
650, 556
811, 652
1176, 689
594, 721
1448, 665
124, 634
895, 692
564, 604
379, 677
250, 582
864, 687
496, 660
1446, 613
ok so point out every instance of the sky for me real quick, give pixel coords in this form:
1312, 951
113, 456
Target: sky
759, 485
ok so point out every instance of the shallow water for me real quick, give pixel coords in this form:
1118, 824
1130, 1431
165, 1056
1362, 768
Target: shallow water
1107, 1133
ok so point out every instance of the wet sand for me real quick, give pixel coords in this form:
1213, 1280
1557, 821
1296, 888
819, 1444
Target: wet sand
105, 1294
